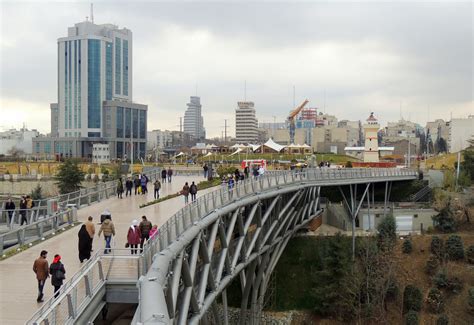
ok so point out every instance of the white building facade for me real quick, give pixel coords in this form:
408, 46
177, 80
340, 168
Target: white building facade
460, 131
100, 153
17, 139
159, 139
193, 122
246, 123
94, 65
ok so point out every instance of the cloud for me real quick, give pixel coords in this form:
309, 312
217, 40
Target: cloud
350, 58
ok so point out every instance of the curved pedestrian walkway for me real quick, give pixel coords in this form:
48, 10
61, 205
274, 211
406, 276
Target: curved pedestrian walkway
18, 286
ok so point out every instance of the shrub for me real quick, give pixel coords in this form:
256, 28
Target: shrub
437, 247
470, 300
454, 248
407, 246
435, 300
412, 318
412, 298
37, 193
442, 320
454, 285
432, 265
470, 254
441, 279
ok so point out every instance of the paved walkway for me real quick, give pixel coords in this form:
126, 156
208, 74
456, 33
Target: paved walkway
18, 286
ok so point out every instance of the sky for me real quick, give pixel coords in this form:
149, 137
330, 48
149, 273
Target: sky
398, 59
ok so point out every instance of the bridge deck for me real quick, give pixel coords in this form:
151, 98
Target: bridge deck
18, 287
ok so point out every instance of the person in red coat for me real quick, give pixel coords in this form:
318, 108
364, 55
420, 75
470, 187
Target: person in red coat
134, 236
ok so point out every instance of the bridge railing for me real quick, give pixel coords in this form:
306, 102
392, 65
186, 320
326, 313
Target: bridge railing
75, 295
81, 198
36, 230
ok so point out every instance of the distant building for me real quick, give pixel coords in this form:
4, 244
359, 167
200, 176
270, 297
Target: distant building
193, 122
95, 96
17, 140
246, 123
460, 131
159, 139
100, 153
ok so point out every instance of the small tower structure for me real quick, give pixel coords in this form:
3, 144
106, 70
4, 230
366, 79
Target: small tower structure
371, 149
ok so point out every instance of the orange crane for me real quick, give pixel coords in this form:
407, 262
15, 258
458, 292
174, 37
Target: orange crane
291, 119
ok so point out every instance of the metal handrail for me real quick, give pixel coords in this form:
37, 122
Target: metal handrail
179, 222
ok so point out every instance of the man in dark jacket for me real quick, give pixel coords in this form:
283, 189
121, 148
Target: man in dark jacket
145, 227
163, 176
170, 174
10, 208
193, 191
23, 208
40, 267
128, 186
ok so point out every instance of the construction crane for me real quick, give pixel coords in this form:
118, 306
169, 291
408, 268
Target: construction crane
291, 119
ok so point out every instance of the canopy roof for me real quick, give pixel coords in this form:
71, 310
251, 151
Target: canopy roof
273, 145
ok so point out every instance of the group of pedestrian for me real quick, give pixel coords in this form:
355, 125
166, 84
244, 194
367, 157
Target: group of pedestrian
187, 190
139, 234
43, 270
139, 183
257, 171
166, 175
25, 205
324, 164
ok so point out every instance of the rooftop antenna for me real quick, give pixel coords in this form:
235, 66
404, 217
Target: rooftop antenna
245, 90
92, 12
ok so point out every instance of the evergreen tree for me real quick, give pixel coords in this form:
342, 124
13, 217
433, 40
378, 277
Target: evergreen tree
444, 220
468, 164
37, 194
69, 176
454, 248
329, 291
387, 235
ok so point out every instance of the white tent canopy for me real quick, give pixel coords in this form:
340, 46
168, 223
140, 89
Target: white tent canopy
180, 154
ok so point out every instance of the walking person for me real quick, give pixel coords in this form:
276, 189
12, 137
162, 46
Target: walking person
246, 172
163, 175
145, 228
58, 274
108, 229
23, 208
90, 227
170, 174
41, 268
205, 168
157, 187
193, 189
133, 237
153, 232
84, 244
128, 187
136, 183
10, 208
119, 189
231, 186
144, 182
185, 192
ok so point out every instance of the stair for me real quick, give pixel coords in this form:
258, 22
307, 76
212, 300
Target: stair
420, 194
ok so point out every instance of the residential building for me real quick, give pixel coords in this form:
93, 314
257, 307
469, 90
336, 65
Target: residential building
159, 139
460, 131
246, 124
100, 153
193, 123
19, 141
95, 96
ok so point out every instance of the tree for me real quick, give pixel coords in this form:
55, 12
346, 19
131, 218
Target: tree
468, 163
15, 152
437, 247
387, 232
441, 145
470, 301
470, 254
432, 265
442, 320
412, 318
435, 300
36, 193
69, 176
444, 220
412, 298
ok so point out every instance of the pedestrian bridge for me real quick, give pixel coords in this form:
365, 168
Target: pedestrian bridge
182, 275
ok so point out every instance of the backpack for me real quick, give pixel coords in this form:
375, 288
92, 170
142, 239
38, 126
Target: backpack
59, 274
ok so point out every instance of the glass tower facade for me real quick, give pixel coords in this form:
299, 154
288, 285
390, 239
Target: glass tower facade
93, 91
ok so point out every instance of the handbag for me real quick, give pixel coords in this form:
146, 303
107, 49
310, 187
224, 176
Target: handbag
127, 245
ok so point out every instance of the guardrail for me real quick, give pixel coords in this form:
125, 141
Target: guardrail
36, 230
78, 292
185, 218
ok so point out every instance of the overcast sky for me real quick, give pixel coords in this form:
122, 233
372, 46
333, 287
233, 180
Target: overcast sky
352, 58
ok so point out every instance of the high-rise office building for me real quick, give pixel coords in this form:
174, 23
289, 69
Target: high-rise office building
95, 95
193, 123
246, 123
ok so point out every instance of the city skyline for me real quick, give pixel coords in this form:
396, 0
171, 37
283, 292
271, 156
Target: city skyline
402, 64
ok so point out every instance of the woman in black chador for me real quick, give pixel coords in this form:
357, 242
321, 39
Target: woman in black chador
85, 244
